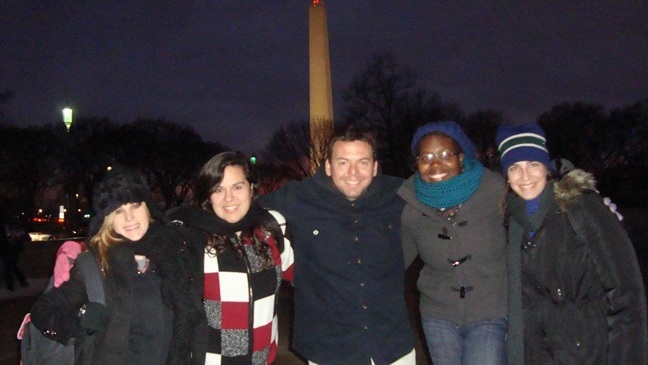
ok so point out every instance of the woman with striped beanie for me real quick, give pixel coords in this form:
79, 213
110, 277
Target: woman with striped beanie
576, 292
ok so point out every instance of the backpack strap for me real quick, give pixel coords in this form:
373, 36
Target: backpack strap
91, 277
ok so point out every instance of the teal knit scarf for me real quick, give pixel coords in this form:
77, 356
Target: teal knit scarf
453, 191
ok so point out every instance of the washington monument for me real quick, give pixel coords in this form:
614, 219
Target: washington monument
321, 96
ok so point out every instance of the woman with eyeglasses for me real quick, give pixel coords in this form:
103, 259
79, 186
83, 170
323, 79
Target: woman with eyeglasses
452, 220
577, 295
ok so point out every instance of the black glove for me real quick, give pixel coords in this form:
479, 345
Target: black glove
93, 318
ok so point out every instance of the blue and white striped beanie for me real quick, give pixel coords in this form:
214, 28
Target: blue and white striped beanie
525, 142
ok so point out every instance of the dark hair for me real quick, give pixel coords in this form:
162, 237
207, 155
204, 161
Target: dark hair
455, 144
208, 180
258, 237
212, 173
352, 133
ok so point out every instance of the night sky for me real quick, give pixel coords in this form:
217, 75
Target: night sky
235, 70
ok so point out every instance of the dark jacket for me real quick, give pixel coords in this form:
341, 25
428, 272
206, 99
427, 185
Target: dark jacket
477, 234
233, 328
137, 320
14, 243
583, 298
349, 277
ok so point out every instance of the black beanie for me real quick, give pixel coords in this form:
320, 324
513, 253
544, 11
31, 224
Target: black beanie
120, 186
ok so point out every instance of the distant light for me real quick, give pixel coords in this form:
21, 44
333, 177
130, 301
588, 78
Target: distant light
67, 118
253, 160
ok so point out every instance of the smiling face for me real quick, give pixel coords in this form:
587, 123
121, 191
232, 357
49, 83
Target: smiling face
527, 178
351, 167
438, 170
232, 198
131, 220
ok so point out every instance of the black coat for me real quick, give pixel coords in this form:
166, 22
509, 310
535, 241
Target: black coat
349, 276
179, 259
180, 320
583, 298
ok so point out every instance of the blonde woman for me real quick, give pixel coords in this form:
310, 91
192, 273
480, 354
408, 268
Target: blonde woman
134, 326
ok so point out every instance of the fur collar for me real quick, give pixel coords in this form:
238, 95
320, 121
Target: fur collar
572, 185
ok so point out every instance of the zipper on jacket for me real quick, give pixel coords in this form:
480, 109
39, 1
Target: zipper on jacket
251, 303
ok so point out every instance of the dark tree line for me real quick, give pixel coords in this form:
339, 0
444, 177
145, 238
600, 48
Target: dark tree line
613, 145
49, 164
38, 161
27, 168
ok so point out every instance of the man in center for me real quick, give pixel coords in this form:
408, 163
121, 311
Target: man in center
349, 279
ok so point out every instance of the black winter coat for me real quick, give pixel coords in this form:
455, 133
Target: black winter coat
583, 298
172, 257
349, 276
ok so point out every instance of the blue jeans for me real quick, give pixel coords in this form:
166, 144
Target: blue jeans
481, 342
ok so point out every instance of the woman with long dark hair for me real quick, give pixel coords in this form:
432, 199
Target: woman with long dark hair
241, 252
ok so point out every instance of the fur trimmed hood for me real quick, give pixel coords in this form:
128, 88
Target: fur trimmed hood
572, 185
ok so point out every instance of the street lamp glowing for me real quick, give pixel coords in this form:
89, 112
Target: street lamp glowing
67, 118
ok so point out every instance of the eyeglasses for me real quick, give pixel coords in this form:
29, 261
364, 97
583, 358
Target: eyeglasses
442, 156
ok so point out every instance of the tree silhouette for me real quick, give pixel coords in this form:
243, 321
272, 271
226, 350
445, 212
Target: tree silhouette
320, 134
626, 140
612, 145
289, 154
5, 96
383, 96
481, 127
89, 147
289, 147
170, 156
624, 154
66, 165
27, 166
576, 131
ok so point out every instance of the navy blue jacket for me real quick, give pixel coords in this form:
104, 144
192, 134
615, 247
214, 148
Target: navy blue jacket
349, 277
